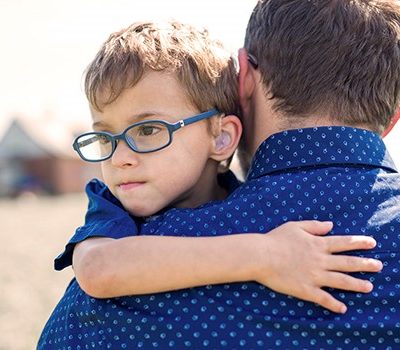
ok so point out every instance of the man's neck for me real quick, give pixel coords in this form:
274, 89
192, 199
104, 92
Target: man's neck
267, 121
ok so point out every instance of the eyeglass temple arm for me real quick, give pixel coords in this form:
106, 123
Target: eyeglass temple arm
196, 118
253, 60
84, 142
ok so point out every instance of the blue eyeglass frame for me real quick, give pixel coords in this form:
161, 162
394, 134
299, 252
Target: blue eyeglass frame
171, 127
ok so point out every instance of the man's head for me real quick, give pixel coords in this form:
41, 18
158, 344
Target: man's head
339, 59
143, 79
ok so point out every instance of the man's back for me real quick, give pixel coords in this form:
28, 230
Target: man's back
339, 174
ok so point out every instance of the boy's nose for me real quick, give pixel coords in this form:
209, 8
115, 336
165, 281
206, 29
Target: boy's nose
123, 156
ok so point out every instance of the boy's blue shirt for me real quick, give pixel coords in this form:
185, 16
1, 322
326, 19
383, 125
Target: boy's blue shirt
105, 217
327, 173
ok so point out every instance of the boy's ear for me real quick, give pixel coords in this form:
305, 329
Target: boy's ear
246, 80
227, 141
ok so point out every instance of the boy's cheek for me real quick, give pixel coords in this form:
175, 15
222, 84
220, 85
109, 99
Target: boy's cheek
107, 173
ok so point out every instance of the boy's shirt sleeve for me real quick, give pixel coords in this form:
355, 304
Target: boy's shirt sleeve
105, 217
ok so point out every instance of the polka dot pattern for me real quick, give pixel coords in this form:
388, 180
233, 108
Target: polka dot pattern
327, 173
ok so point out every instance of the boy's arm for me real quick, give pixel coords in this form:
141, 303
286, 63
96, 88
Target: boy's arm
292, 259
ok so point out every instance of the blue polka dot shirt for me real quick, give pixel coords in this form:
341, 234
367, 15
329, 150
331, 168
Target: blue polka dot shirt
328, 173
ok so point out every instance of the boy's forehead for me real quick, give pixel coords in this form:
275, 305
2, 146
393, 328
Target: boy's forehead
118, 122
155, 94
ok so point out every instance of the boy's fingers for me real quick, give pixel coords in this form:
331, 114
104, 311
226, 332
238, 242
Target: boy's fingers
338, 244
344, 263
327, 301
316, 227
342, 281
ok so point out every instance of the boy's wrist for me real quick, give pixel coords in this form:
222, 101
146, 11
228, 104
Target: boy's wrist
255, 257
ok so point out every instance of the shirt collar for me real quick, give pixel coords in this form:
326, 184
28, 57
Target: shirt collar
322, 146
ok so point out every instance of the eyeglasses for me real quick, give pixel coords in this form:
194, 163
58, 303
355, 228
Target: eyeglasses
253, 60
143, 137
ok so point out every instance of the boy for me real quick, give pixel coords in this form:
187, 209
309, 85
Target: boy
143, 86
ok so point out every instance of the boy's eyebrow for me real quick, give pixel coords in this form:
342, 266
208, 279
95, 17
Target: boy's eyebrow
133, 119
99, 124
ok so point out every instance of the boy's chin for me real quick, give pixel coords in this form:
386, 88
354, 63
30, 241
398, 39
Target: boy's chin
140, 211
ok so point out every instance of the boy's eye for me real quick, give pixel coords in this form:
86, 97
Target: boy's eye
148, 130
103, 139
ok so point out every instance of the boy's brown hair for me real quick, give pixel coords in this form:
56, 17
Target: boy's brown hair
341, 57
205, 70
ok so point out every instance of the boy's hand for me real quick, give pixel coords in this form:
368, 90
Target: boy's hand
299, 262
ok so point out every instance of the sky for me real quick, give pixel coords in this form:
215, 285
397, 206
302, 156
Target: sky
47, 44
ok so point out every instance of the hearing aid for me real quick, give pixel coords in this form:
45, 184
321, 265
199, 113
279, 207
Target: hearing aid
222, 140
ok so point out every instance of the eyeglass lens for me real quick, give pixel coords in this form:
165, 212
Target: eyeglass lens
148, 137
144, 137
95, 146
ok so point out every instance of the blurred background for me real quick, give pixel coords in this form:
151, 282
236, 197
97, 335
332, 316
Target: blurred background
45, 47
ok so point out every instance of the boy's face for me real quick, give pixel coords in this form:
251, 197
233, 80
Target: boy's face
177, 175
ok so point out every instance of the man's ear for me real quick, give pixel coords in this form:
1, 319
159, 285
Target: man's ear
395, 119
246, 80
226, 142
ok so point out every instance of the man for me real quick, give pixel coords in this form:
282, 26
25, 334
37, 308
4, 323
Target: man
319, 81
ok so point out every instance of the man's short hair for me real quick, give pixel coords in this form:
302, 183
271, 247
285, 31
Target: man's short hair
338, 57
205, 69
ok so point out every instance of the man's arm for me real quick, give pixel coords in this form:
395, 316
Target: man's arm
292, 259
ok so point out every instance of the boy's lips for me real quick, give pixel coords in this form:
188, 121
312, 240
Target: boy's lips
126, 186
